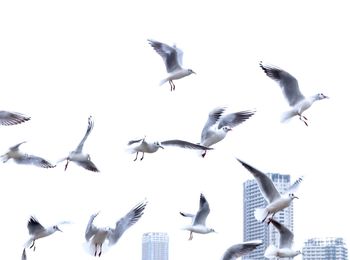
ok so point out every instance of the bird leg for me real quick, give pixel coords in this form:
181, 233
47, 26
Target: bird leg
172, 85
268, 213
96, 249
33, 245
65, 167
191, 236
204, 153
303, 119
143, 155
137, 153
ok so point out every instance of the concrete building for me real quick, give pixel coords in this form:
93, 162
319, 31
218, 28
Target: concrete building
155, 246
330, 248
255, 230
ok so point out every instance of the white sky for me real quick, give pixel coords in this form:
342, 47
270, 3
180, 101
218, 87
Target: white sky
63, 61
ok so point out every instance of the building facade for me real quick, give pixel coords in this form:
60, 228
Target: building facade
155, 246
329, 248
256, 230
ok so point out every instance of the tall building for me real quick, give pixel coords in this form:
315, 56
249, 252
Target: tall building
329, 248
254, 229
155, 246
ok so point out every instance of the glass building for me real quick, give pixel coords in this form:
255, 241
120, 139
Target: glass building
155, 246
329, 248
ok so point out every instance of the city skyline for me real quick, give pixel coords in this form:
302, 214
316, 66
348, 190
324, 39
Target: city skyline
328, 248
155, 246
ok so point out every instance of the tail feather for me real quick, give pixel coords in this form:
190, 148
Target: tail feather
271, 251
163, 81
288, 115
260, 214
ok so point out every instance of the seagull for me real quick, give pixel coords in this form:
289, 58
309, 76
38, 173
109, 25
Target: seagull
276, 201
12, 118
141, 145
241, 249
23, 158
78, 156
97, 236
218, 125
286, 242
291, 91
198, 220
36, 231
172, 57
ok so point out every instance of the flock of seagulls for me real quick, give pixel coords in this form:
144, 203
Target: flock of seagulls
218, 124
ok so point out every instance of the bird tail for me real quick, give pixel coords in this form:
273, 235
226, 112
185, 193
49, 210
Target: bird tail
163, 81
260, 214
288, 115
28, 243
271, 252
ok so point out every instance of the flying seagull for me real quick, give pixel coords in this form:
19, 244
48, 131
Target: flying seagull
97, 236
241, 249
276, 201
78, 156
142, 146
285, 246
291, 91
12, 118
172, 57
198, 220
23, 158
36, 231
218, 125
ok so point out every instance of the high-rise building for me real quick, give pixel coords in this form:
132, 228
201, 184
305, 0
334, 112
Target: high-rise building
155, 246
329, 248
254, 229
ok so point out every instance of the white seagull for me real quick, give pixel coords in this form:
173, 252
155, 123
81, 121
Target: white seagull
218, 125
198, 220
172, 57
36, 231
276, 201
78, 156
291, 91
142, 146
23, 158
285, 246
97, 236
241, 249
12, 118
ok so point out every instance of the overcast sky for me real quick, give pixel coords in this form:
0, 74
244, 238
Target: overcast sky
62, 61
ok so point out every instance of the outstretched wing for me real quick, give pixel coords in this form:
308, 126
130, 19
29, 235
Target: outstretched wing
213, 118
88, 131
172, 56
34, 160
293, 188
234, 119
286, 236
242, 249
202, 212
287, 82
88, 165
91, 229
125, 222
34, 226
267, 188
185, 144
12, 118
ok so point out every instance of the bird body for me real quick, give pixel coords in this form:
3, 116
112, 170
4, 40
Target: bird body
97, 237
218, 125
276, 201
172, 57
291, 92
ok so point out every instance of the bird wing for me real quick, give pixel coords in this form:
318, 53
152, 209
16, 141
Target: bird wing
125, 222
172, 56
91, 229
202, 212
267, 188
12, 118
185, 144
213, 118
24, 255
287, 82
34, 227
16, 147
242, 249
187, 215
286, 236
88, 165
89, 128
135, 141
234, 119
293, 188
34, 160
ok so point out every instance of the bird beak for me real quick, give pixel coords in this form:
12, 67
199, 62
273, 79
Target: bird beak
59, 229
161, 147
295, 197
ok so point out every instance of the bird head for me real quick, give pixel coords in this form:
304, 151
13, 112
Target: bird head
321, 96
191, 72
157, 144
292, 196
226, 128
55, 228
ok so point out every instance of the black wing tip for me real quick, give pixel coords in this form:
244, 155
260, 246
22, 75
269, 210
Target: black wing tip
182, 214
